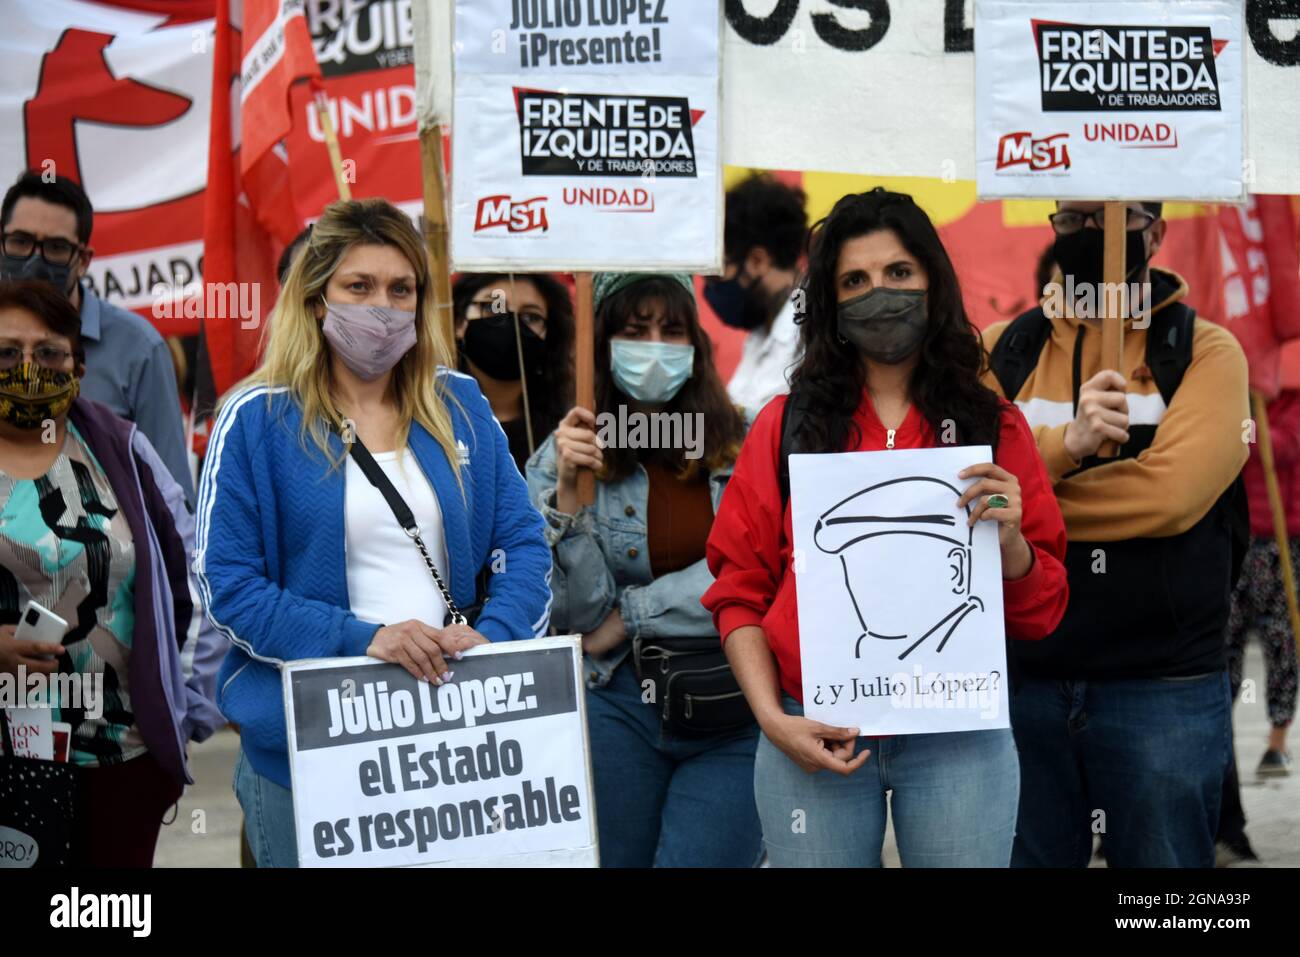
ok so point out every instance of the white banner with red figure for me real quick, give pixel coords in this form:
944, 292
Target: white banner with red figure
118, 100
1109, 100
585, 136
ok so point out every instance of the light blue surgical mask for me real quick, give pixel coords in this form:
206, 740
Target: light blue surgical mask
651, 372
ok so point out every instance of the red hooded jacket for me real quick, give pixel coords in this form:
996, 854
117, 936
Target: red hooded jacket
749, 547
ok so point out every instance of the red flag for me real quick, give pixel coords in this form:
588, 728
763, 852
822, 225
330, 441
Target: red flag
1291, 350
248, 214
1260, 283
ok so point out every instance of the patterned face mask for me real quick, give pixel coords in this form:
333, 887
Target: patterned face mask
31, 394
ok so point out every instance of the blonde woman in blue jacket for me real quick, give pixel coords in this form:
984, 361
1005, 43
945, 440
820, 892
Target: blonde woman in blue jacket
298, 555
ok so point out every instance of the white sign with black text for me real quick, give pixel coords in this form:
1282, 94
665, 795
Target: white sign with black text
1109, 100
901, 628
796, 76
491, 768
585, 135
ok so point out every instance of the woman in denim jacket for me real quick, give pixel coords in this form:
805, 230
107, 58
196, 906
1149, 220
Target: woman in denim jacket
631, 566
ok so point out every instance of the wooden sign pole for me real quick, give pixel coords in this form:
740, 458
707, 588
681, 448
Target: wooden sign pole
1278, 509
332, 145
1113, 299
584, 367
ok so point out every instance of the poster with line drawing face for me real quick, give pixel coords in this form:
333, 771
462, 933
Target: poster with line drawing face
900, 602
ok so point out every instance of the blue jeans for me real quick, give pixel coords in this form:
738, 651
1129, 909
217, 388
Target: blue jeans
1140, 762
268, 816
668, 800
953, 801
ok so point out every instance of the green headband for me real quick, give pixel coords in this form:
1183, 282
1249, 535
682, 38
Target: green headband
605, 284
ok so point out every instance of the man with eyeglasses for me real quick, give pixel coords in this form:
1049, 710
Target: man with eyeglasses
46, 225
1122, 715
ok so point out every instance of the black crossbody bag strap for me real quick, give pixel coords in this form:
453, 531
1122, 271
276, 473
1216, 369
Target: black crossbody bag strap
405, 517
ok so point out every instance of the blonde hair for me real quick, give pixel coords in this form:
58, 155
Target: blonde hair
297, 354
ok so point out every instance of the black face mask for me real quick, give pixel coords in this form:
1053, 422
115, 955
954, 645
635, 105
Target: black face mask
34, 267
886, 325
732, 304
742, 308
1082, 255
489, 343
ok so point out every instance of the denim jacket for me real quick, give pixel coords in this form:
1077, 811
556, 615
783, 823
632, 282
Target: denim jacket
601, 559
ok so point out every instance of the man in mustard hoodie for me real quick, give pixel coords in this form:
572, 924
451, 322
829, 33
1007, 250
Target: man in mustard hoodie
1122, 715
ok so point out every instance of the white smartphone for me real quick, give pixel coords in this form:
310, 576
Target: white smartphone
38, 623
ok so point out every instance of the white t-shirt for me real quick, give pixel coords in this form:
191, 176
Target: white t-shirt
388, 581
766, 361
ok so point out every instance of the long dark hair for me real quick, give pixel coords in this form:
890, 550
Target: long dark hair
724, 425
831, 376
549, 398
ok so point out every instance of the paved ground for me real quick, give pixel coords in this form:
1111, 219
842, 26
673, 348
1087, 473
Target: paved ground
206, 830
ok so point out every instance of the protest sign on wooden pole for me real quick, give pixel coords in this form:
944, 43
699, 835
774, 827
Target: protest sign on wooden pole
789, 82
1044, 131
1114, 301
588, 163
1278, 509
584, 370
609, 161
332, 145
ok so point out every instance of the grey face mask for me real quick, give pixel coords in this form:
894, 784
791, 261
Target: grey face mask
886, 325
35, 267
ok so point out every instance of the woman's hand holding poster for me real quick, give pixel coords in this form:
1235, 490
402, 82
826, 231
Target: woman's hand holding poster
900, 599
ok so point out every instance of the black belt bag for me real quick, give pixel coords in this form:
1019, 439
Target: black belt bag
693, 684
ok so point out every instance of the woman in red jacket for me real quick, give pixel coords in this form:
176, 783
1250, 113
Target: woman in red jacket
890, 361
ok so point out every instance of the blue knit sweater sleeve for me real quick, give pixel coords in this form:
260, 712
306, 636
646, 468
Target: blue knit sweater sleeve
519, 590
269, 623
